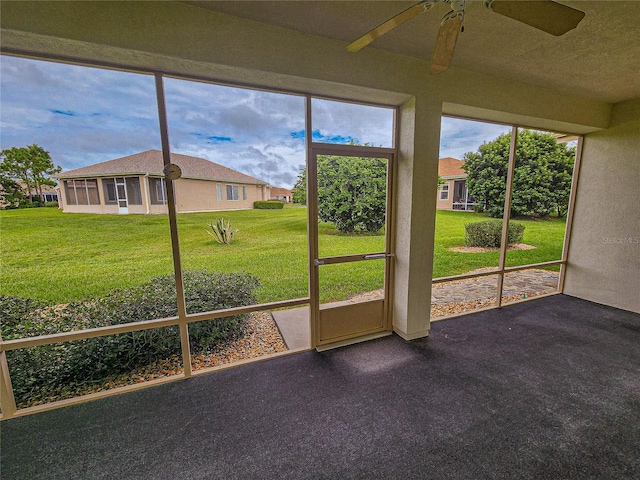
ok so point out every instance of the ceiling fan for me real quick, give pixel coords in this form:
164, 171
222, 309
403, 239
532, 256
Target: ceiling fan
545, 15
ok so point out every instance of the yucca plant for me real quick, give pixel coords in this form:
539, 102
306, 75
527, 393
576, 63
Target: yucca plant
223, 231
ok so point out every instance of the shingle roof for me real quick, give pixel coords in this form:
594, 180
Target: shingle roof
280, 191
150, 162
450, 167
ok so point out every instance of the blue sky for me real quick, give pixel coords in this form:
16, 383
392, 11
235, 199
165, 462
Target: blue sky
86, 115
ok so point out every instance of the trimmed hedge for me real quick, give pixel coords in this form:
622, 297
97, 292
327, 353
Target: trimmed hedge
268, 205
488, 234
38, 370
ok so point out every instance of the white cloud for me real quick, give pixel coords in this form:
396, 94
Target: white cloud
366, 124
458, 137
80, 115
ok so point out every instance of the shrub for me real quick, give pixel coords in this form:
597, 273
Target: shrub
352, 193
38, 370
51, 204
268, 205
488, 234
222, 231
13, 311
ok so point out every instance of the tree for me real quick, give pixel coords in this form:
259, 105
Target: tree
541, 178
299, 193
562, 174
352, 193
11, 195
31, 165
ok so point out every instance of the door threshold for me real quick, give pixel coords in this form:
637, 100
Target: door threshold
351, 341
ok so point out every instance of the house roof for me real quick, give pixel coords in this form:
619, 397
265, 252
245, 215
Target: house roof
151, 163
280, 191
451, 167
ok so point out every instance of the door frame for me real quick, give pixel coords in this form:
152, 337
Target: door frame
315, 261
122, 209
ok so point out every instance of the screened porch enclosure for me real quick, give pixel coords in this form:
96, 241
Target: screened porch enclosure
462, 200
118, 195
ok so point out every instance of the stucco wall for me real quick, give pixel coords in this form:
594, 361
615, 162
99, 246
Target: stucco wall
604, 255
445, 204
200, 195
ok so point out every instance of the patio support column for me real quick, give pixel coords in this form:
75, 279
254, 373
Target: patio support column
415, 214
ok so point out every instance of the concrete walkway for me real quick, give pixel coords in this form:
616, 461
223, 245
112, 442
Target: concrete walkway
294, 323
294, 327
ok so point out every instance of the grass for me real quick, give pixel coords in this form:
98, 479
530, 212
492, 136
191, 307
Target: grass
59, 257
547, 235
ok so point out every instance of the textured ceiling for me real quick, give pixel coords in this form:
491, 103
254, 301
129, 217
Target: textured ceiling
600, 59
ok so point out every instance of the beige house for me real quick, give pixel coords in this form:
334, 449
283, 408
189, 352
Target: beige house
49, 193
136, 184
453, 194
281, 194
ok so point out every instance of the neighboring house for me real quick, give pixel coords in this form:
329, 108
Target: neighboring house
453, 194
281, 194
49, 193
136, 184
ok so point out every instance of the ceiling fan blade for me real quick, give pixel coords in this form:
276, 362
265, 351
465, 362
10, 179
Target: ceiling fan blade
389, 25
545, 15
445, 45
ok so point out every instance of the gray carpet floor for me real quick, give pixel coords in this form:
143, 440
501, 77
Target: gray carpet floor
547, 389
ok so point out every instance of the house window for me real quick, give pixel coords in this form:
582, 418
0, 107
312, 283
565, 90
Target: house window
232, 192
219, 192
82, 192
157, 191
444, 192
244, 192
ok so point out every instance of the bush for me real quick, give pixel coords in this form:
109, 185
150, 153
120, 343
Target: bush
51, 204
268, 205
488, 234
38, 370
13, 311
352, 193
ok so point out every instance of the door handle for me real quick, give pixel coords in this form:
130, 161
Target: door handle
378, 256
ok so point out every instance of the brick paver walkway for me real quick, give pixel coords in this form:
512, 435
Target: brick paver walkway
525, 282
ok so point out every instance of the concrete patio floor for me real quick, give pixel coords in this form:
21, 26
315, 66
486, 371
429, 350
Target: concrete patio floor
294, 323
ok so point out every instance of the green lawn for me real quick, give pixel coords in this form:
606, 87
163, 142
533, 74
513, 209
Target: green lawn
61, 257
547, 235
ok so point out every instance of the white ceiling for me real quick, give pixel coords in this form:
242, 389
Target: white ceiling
600, 59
